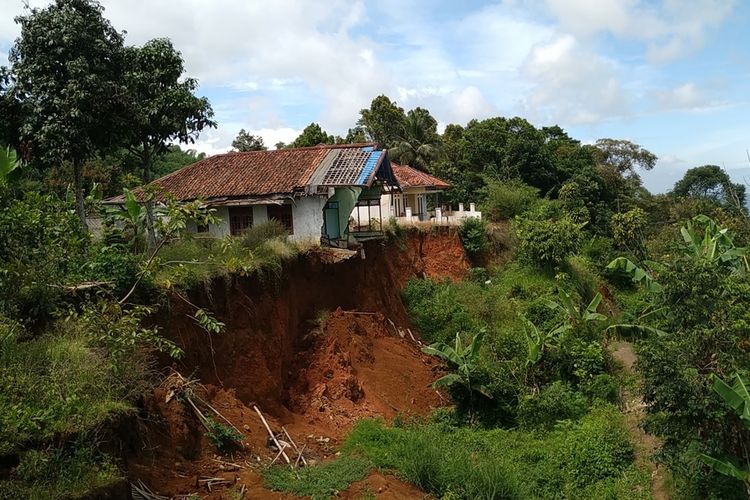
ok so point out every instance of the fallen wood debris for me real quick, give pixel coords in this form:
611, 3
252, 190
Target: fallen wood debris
140, 491
272, 435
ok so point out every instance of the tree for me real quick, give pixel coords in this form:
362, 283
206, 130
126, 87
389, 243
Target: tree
624, 156
67, 73
419, 143
383, 121
312, 135
710, 182
162, 108
248, 142
355, 135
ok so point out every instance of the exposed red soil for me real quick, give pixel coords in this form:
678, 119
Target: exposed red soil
385, 487
300, 348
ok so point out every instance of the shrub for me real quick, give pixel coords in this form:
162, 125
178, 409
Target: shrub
546, 243
54, 384
224, 437
598, 447
555, 402
603, 387
72, 471
473, 233
506, 199
257, 234
41, 247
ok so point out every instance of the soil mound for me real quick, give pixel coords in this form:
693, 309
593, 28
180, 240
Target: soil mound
360, 366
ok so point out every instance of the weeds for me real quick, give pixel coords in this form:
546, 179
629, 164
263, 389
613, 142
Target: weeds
224, 437
321, 481
61, 472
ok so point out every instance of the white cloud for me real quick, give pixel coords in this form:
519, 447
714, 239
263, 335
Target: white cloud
670, 29
687, 96
572, 84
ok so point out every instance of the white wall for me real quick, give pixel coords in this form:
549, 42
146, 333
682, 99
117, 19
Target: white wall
307, 215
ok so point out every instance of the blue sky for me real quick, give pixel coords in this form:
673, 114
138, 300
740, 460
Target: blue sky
671, 75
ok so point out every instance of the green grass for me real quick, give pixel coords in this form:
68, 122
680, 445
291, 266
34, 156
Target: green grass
592, 458
50, 385
319, 481
191, 262
55, 473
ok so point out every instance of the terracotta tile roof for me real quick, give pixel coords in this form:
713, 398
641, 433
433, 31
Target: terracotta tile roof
411, 177
248, 174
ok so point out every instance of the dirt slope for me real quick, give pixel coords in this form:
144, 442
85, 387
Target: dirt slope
300, 348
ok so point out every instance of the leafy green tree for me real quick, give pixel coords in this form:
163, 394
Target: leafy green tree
67, 69
355, 135
312, 135
162, 108
624, 156
547, 242
710, 182
383, 121
419, 144
464, 358
628, 230
246, 141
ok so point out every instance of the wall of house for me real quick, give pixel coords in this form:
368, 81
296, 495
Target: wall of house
307, 214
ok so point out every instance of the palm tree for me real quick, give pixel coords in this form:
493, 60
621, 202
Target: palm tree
419, 143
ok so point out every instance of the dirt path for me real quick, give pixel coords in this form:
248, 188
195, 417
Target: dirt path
634, 409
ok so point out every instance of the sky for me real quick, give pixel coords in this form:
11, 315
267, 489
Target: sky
670, 75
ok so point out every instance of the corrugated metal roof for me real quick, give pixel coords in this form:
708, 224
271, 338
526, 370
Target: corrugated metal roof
411, 177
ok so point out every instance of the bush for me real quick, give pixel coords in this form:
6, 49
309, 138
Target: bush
506, 199
257, 234
436, 310
224, 437
41, 248
61, 472
555, 402
546, 243
473, 233
603, 387
597, 448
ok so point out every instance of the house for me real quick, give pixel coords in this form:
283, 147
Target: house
417, 199
311, 191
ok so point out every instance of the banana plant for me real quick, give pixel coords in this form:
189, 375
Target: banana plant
463, 358
637, 274
538, 341
576, 315
735, 394
10, 165
705, 239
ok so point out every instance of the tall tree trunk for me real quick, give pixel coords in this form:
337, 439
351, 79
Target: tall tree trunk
150, 231
78, 186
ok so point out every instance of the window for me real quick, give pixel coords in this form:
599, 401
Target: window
240, 218
283, 214
201, 228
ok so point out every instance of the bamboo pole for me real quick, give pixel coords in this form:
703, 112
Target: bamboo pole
270, 433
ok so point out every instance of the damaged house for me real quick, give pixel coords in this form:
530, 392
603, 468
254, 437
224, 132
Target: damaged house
311, 191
